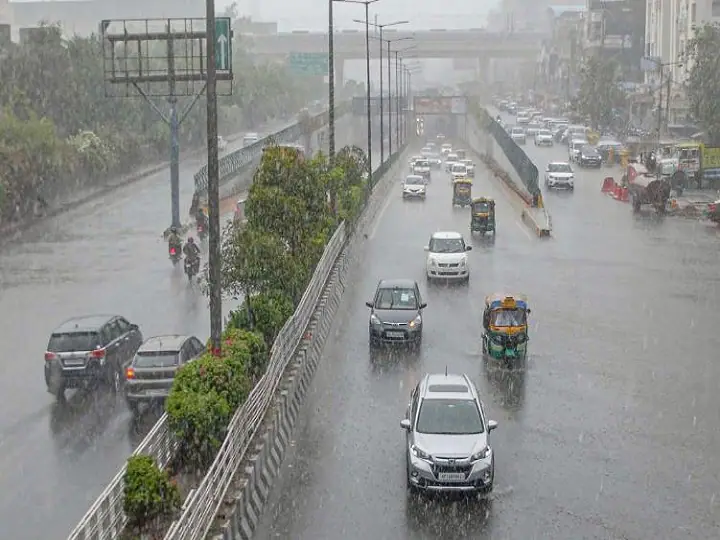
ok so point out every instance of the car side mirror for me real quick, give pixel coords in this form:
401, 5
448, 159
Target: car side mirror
369, 304
468, 248
492, 424
427, 248
423, 305
405, 424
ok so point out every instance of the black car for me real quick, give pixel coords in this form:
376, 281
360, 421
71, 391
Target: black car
589, 157
396, 313
150, 375
89, 350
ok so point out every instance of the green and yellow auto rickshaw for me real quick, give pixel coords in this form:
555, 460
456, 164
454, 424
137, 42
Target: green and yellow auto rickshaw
462, 192
505, 327
482, 216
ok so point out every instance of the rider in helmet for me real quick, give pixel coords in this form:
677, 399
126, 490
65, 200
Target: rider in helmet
191, 249
201, 219
174, 239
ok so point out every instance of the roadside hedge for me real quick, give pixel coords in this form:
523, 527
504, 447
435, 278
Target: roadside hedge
151, 497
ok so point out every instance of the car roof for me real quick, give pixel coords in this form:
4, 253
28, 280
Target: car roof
558, 163
579, 140
397, 283
167, 343
85, 323
413, 177
447, 386
447, 235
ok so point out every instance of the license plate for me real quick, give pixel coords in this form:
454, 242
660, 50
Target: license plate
395, 334
451, 477
74, 363
155, 393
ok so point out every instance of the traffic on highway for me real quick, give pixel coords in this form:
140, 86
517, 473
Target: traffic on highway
572, 432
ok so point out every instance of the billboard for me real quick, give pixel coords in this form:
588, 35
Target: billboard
441, 105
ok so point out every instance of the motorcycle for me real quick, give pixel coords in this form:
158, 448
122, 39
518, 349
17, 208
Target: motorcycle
201, 231
192, 267
175, 253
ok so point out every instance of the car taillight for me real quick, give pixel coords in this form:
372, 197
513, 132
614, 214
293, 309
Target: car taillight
50, 356
98, 353
712, 208
172, 251
130, 373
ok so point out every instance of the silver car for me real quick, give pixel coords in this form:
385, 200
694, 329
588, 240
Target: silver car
447, 447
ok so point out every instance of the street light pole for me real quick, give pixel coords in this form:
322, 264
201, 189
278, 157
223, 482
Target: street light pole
331, 82
397, 100
389, 103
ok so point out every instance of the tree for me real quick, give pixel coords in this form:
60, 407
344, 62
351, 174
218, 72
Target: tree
599, 92
151, 496
703, 87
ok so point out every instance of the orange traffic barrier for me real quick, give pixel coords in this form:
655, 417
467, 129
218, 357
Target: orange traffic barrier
608, 185
624, 194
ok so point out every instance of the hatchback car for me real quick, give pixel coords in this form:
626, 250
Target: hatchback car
396, 313
447, 437
88, 350
150, 375
447, 257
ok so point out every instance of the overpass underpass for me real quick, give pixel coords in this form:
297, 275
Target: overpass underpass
617, 384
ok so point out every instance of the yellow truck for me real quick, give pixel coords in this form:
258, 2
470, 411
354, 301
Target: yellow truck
691, 164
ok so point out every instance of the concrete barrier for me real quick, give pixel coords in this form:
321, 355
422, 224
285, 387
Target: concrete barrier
245, 501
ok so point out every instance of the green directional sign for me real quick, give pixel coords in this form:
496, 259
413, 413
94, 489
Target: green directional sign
223, 44
309, 63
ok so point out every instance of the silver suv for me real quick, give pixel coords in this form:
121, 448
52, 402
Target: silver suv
447, 446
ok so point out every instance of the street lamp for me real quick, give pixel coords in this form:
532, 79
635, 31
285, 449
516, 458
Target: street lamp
380, 27
331, 73
389, 41
398, 72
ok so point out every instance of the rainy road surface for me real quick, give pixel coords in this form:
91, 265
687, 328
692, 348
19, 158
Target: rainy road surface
611, 431
107, 256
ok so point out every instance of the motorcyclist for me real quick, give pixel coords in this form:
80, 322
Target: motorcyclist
191, 249
201, 219
174, 240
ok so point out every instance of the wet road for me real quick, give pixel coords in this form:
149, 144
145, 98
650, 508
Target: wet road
610, 432
107, 256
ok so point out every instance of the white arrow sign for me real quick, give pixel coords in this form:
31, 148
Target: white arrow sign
222, 46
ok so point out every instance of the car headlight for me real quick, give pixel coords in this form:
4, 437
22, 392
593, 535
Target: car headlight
419, 453
417, 321
482, 454
463, 263
374, 320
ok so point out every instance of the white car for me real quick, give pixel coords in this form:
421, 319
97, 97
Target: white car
517, 134
414, 186
470, 166
450, 160
544, 137
445, 149
522, 119
412, 160
575, 148
447, 257
559, 175
458, 170
421, 167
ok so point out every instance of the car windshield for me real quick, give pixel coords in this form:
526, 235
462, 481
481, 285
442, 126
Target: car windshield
422, 163
508, 317
414, 181
396, 298
447, 245
588, 150
559, 167
452, 157
545, 132
156, 359
75, 341
459, 168
449, 417
481, 207
517, 131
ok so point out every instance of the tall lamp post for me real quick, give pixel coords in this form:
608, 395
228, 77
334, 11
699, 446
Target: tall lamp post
389, 61
382, 126
398, 74
331, 77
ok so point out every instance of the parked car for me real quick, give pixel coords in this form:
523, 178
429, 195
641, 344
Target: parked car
90, 350
150, 375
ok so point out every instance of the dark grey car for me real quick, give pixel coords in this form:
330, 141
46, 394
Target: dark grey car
89, 350
396, 313
152, 371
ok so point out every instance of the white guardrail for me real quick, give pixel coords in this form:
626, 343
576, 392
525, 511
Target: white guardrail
105, 520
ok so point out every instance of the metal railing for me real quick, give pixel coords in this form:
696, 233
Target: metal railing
235, 162
200, 510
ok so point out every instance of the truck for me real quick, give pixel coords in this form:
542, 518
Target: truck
691, 164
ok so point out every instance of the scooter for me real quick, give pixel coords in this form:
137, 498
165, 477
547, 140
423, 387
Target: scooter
175, 253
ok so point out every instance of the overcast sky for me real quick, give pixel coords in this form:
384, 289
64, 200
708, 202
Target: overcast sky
312, 14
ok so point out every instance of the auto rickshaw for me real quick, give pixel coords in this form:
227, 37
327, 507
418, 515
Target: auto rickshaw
482, 214
462, 192
505, 327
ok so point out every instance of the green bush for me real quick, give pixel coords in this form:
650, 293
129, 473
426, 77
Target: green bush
251, 346
268, 314
225, 376
199, 421
151, 496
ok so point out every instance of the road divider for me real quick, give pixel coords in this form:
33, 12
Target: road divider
229, 502
509, 164
106, 518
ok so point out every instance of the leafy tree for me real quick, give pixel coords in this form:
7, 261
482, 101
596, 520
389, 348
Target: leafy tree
599, 91
151, 496
703, 87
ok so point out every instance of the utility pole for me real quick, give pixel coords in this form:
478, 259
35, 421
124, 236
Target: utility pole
331, 82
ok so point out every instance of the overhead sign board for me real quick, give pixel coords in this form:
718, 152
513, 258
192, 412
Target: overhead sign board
223, 44
359, 105
440, 105
309, 63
